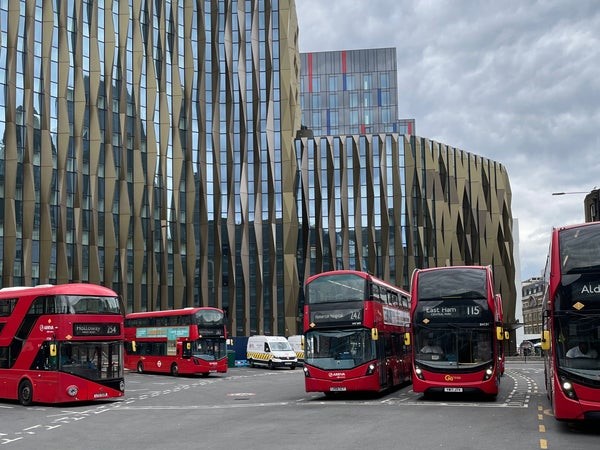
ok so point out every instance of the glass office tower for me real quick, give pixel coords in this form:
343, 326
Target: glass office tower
351, 92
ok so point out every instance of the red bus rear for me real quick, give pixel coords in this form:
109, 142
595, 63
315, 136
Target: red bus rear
571, 322
355, 327
455, 333
61, 343
179, 341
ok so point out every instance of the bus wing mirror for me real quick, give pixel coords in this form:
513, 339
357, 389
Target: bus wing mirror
406, 338
499, 333
546, 340
374, 334
53, 350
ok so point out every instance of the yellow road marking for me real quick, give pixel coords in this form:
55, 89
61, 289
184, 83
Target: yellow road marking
542, 427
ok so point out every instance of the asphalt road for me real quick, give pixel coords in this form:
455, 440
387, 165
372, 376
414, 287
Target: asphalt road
269, 409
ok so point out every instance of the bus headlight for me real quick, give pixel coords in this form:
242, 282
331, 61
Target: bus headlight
567, 388
488, 373
419, 373
370, 369
306, 372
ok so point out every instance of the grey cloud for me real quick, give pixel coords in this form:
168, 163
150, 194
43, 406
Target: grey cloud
514, 81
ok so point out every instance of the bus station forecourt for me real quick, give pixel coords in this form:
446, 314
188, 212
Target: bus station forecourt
72, 342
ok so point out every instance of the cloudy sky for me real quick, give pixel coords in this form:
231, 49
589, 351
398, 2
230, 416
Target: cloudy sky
516, 81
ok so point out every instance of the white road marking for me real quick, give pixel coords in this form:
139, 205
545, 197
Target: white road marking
517, 398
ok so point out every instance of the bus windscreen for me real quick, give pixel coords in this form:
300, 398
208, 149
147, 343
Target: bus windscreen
456, 283
336, 288
580, 250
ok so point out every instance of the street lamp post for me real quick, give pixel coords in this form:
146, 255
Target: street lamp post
591, 203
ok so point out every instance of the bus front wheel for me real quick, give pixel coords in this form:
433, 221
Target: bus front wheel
174, 370
140, 367
25, 393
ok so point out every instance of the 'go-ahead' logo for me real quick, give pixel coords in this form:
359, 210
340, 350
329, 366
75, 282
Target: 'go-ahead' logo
451, 378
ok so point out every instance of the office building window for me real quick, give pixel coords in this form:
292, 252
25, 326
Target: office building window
316, 84
333, 83
384, 80
350, 82
333, 101
316, 119
316, 101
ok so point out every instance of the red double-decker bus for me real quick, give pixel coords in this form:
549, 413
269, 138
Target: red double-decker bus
178, 341
456, 331
355, 327
571, 322
61, 343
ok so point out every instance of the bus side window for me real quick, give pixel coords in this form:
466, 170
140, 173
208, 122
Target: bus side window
375, 293
3, 357
51, 305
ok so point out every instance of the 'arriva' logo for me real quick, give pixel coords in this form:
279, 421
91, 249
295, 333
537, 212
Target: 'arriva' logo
337, 375
589, 289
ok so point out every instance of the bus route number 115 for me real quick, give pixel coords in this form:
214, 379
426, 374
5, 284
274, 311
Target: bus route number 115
473, 310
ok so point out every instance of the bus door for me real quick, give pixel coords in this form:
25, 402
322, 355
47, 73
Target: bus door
47, 360
186, 348
379, 344
406, 356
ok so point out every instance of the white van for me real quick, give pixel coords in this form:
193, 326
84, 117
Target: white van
297, 343
270, 351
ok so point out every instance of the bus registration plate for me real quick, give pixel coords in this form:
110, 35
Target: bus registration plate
337, 389
453, 389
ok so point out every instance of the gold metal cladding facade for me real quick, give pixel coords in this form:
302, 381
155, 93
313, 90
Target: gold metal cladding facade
149, 146
389, 204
